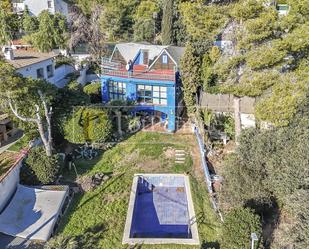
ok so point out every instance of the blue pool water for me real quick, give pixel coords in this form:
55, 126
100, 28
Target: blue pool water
161, 208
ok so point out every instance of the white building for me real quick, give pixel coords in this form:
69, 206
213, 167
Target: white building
37, 6
36, 65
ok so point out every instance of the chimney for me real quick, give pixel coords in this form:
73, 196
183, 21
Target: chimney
8, 53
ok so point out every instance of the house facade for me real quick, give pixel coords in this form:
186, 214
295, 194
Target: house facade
147, 75
36, 7
37, 65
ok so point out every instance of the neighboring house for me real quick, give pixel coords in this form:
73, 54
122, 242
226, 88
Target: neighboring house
30, 63
283, 9
153, 81
37, 6
7, 128
223, 103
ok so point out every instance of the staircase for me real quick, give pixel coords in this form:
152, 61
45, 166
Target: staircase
180, 156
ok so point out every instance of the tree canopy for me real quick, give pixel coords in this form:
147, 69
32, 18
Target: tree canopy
272, 166
266, 56
88, 124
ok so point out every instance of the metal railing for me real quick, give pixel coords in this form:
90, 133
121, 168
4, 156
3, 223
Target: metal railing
112, 68
147, 75
206, 171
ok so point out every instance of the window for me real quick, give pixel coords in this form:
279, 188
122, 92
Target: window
116, 90
164, 59
40, 73
152, 94
49, 4
50, 71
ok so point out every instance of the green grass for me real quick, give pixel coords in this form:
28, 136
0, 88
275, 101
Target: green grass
97, 218
20, 144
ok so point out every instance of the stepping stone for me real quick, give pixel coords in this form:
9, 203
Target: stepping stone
180, 162
180, 159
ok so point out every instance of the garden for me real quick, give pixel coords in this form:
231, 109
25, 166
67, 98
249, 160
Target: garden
96, 217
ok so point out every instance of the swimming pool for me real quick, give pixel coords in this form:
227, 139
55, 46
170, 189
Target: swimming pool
161, 211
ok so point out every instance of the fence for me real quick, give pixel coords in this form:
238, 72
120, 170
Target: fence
206, 171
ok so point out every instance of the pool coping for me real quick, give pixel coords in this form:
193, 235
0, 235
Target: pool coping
132, 241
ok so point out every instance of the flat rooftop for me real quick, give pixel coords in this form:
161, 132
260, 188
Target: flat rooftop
33, 212
24, 58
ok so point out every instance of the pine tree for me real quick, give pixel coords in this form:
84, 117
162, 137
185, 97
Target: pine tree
5, 35
167, 22
30, 23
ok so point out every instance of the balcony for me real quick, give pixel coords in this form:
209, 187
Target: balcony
118, 69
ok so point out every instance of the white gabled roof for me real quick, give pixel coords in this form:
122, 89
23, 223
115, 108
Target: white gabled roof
130, 50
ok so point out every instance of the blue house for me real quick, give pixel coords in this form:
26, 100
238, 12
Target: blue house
146, 74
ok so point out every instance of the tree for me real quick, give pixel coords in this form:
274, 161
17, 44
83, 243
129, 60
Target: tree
238, 225
43, 38
6, 6
30, 23
118, 19
190, 75
145, 22
94, 91
52, 32
60, 35
144, 30
262, 58
43, 167
5, 32
167, 22
28, 100
66, 99
271, 166
88, 124
88, 30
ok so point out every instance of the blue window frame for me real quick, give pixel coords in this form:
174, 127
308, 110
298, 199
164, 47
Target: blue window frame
116, 90
164, 59
156, 95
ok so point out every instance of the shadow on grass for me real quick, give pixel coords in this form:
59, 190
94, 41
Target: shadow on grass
91, 237
210, 245
82, 166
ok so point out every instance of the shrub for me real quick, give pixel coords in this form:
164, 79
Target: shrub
61, 242
39, 168
237, 228
88, 124
94, 91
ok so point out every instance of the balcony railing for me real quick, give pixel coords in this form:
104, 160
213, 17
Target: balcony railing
117, 69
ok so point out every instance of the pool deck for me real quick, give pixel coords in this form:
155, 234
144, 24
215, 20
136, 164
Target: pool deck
159, 214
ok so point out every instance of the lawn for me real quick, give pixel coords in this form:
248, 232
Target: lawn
97, 218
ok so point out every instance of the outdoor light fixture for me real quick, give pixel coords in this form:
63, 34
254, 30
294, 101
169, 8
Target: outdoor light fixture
253, 239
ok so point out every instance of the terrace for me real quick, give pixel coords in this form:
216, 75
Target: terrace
118, 69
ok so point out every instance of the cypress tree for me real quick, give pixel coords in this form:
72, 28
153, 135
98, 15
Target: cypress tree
167, 22
5, 35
